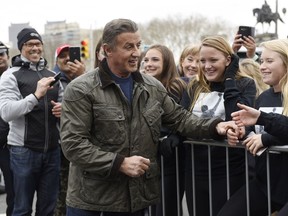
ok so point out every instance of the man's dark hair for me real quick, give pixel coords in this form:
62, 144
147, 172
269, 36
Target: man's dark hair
115, 27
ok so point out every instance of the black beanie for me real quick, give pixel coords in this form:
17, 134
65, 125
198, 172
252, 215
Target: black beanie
27, 34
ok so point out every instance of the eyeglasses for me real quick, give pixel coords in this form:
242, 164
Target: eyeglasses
31, 45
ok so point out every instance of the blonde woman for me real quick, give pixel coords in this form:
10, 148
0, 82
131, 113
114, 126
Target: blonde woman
252, 69
215, 91
189, 62
274, 68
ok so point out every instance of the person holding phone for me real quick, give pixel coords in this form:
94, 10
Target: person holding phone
33, 138
248, 42
68, 70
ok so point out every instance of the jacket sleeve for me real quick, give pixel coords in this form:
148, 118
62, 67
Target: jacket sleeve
269, 140
238, 91
177, 119
275, 124
12, 104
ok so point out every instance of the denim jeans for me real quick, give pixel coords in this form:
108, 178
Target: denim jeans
35, 172
81, 212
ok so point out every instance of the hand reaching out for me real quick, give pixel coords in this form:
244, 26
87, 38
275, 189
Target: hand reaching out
247, 116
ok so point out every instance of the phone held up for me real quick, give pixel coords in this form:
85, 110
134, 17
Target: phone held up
74, 53
246, 31
56, 77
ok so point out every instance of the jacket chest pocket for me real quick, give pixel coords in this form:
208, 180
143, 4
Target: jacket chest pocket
152, 115
109, 124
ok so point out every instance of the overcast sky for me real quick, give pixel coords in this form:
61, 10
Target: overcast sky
96, 13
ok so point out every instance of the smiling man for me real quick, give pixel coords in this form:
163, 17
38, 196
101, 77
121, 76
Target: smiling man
110, 127
25, 103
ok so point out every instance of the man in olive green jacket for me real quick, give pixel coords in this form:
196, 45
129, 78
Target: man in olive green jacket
110, 127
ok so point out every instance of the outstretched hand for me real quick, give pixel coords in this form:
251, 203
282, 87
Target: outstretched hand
247, 116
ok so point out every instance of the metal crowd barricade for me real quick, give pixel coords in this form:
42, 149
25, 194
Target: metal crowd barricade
223, 144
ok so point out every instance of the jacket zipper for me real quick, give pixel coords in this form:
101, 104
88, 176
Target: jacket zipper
46, 116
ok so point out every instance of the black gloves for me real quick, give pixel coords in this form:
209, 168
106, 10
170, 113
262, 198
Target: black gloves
167, 145
232, 68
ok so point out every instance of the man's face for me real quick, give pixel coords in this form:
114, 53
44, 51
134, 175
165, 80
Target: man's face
32, 50
123, 58
4, 62
62, 60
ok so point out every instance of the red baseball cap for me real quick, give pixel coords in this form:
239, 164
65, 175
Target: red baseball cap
60, 49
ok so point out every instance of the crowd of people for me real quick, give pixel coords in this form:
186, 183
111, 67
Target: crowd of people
110, 141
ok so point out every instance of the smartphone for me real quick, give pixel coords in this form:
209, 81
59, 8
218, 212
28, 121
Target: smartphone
74, 53
246, 31
56, 77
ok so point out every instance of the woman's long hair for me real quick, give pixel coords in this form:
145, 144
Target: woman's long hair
169, 76
281, 47
200, 84
252, 69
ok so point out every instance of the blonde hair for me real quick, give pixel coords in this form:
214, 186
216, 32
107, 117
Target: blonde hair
281, 47
252, 69
190, 49
200, 84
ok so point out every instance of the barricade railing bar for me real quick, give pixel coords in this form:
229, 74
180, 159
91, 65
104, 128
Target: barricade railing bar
223, 144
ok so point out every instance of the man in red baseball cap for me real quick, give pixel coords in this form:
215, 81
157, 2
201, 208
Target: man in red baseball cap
69, 70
